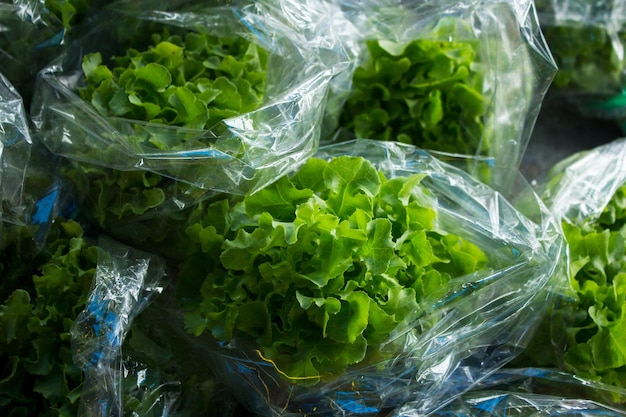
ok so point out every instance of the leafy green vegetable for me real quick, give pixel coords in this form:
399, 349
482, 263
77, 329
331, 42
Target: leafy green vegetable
193, 82
586, 335
43, 291
596, 335
69, 11
319, 268
425, 92
38, 376
586, 57
139, 208
34, 32
587, 45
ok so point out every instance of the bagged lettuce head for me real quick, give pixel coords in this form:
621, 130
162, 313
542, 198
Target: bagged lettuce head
368, 278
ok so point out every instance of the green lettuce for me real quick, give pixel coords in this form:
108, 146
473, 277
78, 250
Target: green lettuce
39, 376
587, 44
320, 268
595, 332
192, 81
42, 293
188, 81
585, 332
425, 92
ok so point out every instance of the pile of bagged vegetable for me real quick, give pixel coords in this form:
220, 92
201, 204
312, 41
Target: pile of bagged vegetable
288, 208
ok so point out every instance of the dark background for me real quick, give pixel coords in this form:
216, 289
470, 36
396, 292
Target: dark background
561, 130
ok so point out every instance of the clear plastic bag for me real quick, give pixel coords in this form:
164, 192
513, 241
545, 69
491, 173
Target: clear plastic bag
512, 404
554, 383
14, 153
587, 40
35, 32
479, 70
579, 187
484, 319
536, 392
239, 155
125, 282
581, 334
30, 189
135, 359
27, 43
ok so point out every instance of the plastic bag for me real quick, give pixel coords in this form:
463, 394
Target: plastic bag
536, 392
475, 75
34, 32
484, 318
587, 40
134, 361
498, 403
124, 283
552, 382
27, 44
582, 333
30, 189
239, 155
14, 153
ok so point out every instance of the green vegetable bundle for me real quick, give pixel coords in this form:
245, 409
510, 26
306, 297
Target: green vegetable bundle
64, 344
466, 80
426, 92
319, 268
585, 333
193, 82
587, 40
170, 107
37, 309
204, 97
349, 276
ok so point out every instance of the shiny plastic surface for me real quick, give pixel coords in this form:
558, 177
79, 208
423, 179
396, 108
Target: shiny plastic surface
240, 155
512, 60
483, 319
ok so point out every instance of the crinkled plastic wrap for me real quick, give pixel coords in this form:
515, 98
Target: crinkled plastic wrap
15, 150
530, 392
588, 42
581, 333
579, 187
554, 383
512, 404
240, 154
30, 189
511, 65
483, 320
29, 39
126, 281
134, 359
587, 39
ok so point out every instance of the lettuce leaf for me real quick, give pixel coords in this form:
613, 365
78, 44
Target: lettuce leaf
425, 92
586, 335
596, 332
192, 81
319, 268
39, 376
